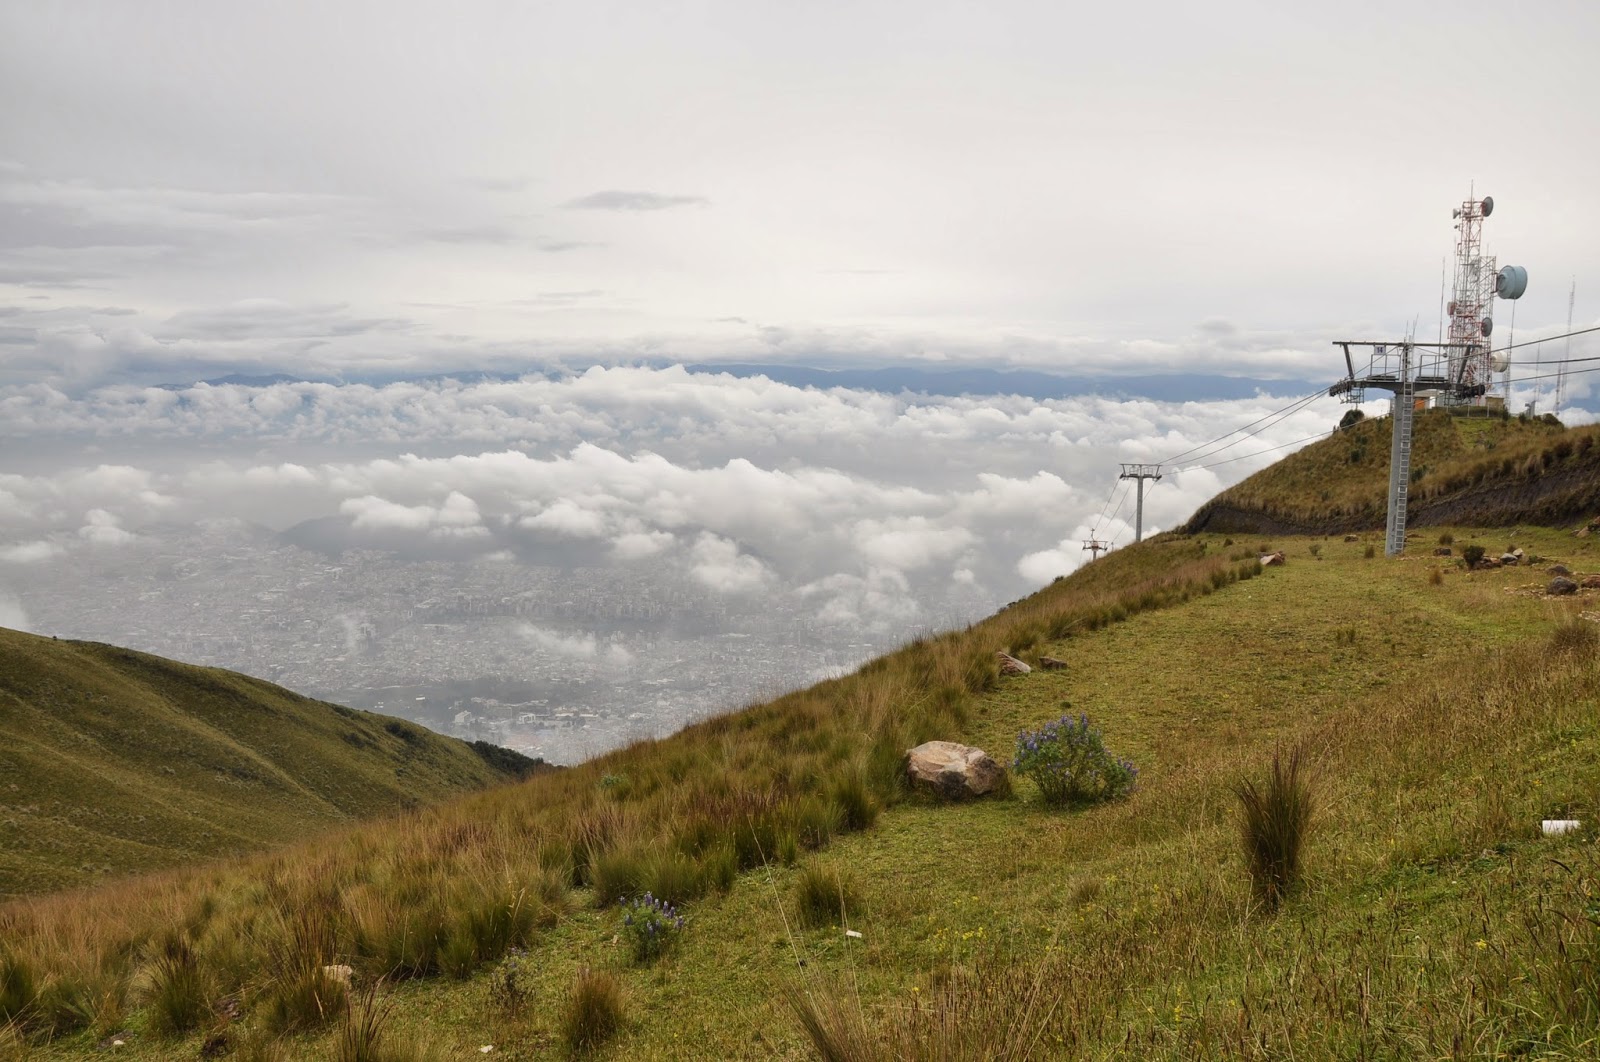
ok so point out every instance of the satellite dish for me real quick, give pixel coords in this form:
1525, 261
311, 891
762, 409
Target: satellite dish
1499, 361
1455, 213
1511, 282
1486, 326
1488, 205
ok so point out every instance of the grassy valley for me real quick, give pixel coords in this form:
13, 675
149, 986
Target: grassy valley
828, 912
113, 761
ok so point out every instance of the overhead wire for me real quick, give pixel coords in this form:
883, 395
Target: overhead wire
1275, 413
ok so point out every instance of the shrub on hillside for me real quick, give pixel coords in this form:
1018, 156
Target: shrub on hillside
1068, 761
651, 927
1447, 539
511, 986
594, 1011
1472, 554
823, 897
1275, 820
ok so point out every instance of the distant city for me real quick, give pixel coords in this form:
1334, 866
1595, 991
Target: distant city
562, 663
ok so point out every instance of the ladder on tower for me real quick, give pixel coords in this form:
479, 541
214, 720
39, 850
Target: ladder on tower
1400, 458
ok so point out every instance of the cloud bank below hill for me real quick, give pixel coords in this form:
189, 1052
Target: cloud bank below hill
873, 509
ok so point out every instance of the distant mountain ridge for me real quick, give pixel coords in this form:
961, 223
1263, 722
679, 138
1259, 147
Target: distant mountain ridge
114, 761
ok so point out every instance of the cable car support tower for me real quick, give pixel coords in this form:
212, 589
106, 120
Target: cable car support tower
1452, 373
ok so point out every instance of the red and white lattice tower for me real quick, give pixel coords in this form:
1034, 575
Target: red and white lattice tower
1472, 298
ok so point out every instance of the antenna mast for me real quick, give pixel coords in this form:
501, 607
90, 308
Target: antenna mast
1455, 373
1561, 377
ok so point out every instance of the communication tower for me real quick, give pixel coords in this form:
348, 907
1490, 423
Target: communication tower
1456, 372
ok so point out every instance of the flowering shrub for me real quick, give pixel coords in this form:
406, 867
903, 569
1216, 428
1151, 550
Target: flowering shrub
1069, 763
651, 926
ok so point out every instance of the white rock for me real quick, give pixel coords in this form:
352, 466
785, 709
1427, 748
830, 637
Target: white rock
952, 770
1557, 827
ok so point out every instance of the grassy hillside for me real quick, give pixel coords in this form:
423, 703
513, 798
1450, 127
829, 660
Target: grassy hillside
113, 761
1445, 712
1464, 470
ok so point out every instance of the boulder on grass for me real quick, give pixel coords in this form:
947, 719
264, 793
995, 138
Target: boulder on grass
1010, 665
1560, 586
952, 771
1590, 582
1352, 538
1273, 560
1050, 663
1443, 551
1560, 569
1508, 559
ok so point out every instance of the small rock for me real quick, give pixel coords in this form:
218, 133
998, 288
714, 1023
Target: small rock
1560, 569
1050, 663
1010, 665
1352, 538
1443, 551
951, 770
1273, 560
1560, 586
853, 934
1590, 582
1517, 553
1509, 559
1557, 827
340, 973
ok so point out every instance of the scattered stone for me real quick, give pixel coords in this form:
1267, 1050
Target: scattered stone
230, 1007
1517, 553
1509, 559
1010, 665
853, 934
1557, 827
951, 770
1352, 538
1273, 560
340, 973
1560, 586
1590, 582
1443, 551
1560, 569
1050, 663
216, 1045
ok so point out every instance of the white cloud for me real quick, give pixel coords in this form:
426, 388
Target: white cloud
718, 564
102, 528
29, 552
12, 614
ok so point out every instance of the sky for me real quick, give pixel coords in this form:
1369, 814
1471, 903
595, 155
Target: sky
583, 197
194, 188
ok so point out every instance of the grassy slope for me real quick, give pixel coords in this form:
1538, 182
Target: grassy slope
1465, 470
114, 761
1443, 727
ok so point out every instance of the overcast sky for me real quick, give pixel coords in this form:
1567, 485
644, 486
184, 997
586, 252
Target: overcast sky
198, 186
358, 192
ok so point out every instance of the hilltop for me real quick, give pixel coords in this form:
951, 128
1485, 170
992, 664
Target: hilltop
1445, 712
113, 761
1478, 470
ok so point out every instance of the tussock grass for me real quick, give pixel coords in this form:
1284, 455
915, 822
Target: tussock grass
823, 896
1276, 819
594, 1011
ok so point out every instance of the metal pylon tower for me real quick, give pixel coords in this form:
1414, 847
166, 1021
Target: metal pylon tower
1139, 473
1095, 548
1404, 405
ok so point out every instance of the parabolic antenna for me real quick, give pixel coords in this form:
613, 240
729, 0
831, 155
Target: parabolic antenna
1511, 282
1486, 326
1488, 205
1499, 361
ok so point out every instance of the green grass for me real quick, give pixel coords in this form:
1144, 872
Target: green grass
1443, 721
1465, 470
113, 761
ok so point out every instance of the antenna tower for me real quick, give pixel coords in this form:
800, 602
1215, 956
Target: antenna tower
1452, 373
1471, 295
1140, 473
1561, 377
